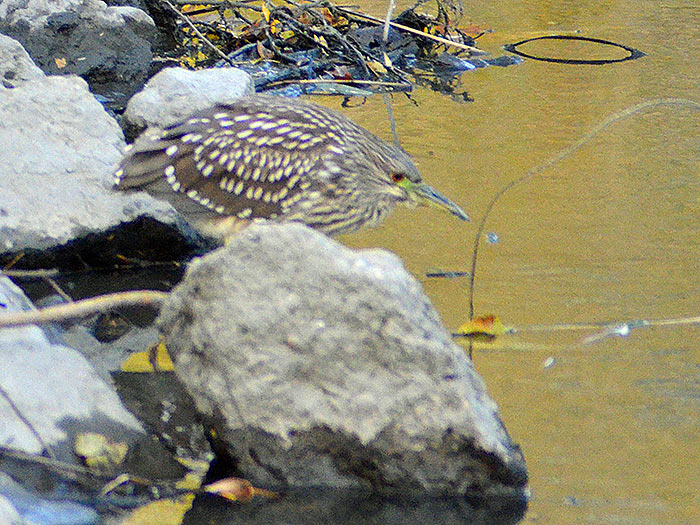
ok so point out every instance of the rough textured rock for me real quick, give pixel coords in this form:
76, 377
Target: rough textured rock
59, 151
175, 93
16, 66
8, 513
321, 366
83, 37
54, 388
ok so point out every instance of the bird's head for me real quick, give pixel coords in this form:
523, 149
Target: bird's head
396, 177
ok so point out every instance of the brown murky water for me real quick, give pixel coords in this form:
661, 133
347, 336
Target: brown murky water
611, 431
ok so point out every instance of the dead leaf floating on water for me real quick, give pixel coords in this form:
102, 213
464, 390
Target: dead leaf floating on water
485, 328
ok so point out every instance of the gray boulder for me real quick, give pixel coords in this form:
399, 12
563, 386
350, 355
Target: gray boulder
16, 66
55, 390
321, 366
175, 93
59, 151
82, 37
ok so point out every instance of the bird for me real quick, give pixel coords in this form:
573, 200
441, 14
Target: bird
270, 158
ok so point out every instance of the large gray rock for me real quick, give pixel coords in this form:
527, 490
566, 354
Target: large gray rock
16, 66
59, 151
175, 93
82, 37
321, 366
54, 388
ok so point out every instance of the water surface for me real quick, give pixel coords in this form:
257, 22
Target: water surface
611, 431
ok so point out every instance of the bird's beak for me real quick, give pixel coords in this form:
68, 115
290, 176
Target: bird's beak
426, 195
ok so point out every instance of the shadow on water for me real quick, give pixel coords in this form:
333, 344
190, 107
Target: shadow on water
336, 507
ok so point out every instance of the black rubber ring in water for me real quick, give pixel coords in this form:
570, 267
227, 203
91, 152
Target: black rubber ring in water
633, 53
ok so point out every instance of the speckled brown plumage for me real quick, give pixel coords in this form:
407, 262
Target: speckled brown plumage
272, 158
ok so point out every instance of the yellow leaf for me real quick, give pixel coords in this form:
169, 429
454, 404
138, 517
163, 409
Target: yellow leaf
377, 67
286, 35
163, 512
484, 328
197, 470
320, 40
265, 12
191, 481
60, 62
200, 466
98, 451
144, 361
275, 26
187, 62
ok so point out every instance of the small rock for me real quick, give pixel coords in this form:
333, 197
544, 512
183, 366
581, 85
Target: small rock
54, 388
60, 148
104, 45
175, 93
16, 66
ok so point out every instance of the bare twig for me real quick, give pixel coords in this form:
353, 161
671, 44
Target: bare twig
131, 264
385, 33
621, 115
30, 274
67, 298
112, 482
49, 462
326, 32
387, 63
606, 329
84, 308
204, 39
27, 423
379, 83
14, 261
252, 5
447, 42
46, 275
603, 329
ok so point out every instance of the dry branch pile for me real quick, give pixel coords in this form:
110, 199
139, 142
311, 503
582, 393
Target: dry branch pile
317, 47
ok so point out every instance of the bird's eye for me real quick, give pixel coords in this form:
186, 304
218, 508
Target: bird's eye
398, 177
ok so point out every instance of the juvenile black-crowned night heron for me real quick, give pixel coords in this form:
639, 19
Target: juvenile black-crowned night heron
272, 158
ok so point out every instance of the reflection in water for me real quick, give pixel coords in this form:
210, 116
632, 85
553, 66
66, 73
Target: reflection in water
342, 507
571, 52
610, 430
